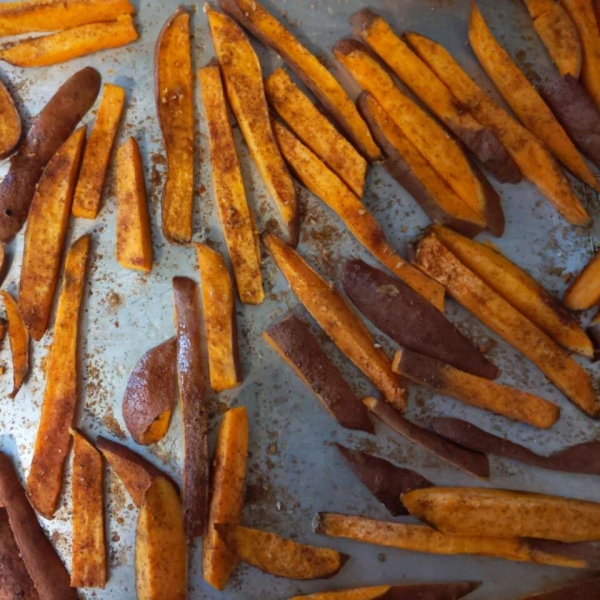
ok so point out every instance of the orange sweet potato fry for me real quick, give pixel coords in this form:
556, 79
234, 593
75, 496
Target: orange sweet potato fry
584, 292
19, 342
44, 482
10, 124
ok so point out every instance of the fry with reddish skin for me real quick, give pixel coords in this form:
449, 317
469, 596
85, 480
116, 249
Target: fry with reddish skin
44, 482
244, 86
584, 291
45, 235
173, 89
492, 310
308, 68
338, 320
19, 342
10, 123
580, 590
190, 372
325, 184
49, 576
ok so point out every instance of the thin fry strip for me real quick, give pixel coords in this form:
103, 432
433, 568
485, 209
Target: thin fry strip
19, 342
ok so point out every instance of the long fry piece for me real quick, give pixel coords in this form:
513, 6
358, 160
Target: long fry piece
584, 292
431, 591
19, 342
44, 482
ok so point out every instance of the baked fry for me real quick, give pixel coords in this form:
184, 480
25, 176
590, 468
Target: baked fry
10, 125
19, 342
584, 291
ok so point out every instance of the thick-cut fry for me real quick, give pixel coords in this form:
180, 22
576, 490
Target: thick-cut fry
443, 152
315, 130
519, 289
161, 555
10, 123
532, 157
71, 43
239, 229
482, 393
588, 588
45, 235
338, 320
244, 85
492, 310
584, 292
173, 81
280, 556
19, 342
44, 482
54, 15
308, 68
229, 472
505, 514
420, 538
325, 184
431, 91
523, 98
89, 546
218, 304
90, 185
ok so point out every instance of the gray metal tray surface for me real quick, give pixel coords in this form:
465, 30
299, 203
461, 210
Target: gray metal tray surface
294, 470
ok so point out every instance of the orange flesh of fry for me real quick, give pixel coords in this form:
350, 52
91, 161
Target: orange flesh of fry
584, 292
19, 342
10, 123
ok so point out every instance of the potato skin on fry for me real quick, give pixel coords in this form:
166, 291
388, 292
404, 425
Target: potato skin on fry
580, 590
19, 342
10, 124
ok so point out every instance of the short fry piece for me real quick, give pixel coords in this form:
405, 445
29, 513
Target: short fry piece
588, 588
71, 43
44, 482
584, 291
173, 80
338, 320
593, 330
19, 342
280, 556
10, 125
89, 546
45, 235
160, 545
229, 472
239, 229
218, 303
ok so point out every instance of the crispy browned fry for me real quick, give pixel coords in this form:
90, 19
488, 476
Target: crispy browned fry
315, 130
45, 235
584, 291
239, 229
492, 310
244, 86
89, 546
338, 320
19, 342
593, 330
308, 68
44, 482
173, 81
580, 590
325, 184
10, 123
531, 156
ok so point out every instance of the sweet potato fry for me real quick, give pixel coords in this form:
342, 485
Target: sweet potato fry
588, 588
44, 482
338, 320
237, 222
414, 73
190, 373
45, 235
19, 342
49, 130
297, 346
89, 546
150, 394
134, 238
523, 98
529, 153
49, 576
160, 545
173, 88
443, 152
244, 85
315, 130
326, 185
218, 304
593, 330
71, 43
10, 124
505, 514
280, 556
472, 462
519, 289
492, 310
584, 291
308, 68
55, 15
227, 494
90, 184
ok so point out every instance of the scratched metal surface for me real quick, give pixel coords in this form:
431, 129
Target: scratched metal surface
293, 469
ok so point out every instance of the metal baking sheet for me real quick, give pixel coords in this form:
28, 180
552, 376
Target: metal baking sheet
294, 471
